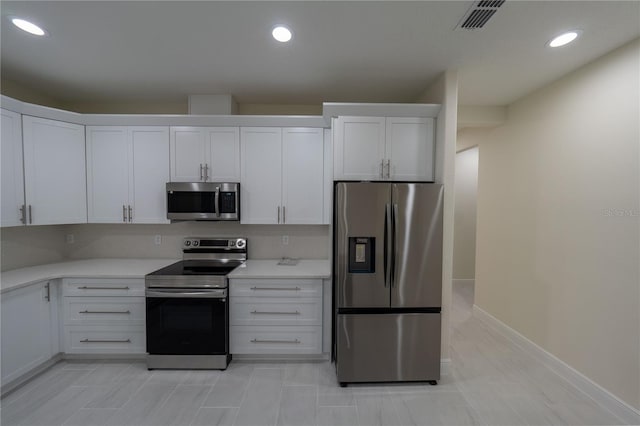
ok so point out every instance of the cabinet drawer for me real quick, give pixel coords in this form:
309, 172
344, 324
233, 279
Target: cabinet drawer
104, 339
276, 287
104, 310
275, 311
103, 287
275, 339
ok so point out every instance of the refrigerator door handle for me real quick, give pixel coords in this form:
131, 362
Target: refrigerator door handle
387, 245
394, 244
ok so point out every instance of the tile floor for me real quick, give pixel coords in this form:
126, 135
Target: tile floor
492, 382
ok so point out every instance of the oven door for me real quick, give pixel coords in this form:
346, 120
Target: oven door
187, 322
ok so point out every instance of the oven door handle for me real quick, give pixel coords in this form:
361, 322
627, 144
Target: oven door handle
171, 293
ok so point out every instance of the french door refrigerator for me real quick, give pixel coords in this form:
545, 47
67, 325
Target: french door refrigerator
387, 281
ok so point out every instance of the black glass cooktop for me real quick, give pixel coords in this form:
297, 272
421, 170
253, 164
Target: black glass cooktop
197, 267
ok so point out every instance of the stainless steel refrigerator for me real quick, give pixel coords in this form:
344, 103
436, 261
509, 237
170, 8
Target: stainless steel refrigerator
387, 281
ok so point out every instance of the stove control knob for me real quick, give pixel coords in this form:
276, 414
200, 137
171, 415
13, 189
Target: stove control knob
187, 243
196, 243
240, 243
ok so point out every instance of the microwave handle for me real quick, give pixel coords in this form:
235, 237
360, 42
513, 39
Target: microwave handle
216, 201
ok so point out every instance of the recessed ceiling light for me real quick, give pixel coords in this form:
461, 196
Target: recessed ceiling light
282, 34
563, 39
29, 27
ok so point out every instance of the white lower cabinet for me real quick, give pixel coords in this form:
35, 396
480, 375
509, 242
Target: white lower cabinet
29, 329
275, 316
104, 316
104, 339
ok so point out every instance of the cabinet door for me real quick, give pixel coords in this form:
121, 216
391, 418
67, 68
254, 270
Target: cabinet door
54, 171
26, 332
108, 174
188, 154
302, 175
261, 166
150, 174
327, 215
358, 148
12, 175
223, 164
409, 149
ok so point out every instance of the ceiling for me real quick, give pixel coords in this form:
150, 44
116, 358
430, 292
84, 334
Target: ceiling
383, 51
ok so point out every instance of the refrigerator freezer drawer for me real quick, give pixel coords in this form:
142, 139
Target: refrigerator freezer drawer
388, 347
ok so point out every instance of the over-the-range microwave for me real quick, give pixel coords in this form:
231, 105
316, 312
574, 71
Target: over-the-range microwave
203, 201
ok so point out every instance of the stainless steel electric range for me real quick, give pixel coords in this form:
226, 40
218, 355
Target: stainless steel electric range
188, 306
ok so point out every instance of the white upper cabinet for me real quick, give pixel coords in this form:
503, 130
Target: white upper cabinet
261, 182
302, 175
54, 170
358, 148
127, 170
150, 174
12, 178
379, 148
205, 154
282, 175
409, 148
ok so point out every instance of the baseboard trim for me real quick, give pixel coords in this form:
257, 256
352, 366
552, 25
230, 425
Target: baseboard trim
615, 405
106, 358
281, 358
445, 367
19, 381
467, 281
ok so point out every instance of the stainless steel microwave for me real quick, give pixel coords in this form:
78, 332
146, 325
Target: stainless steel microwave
203, 201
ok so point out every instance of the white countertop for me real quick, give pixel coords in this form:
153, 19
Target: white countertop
138, 268
88, 268
320, 268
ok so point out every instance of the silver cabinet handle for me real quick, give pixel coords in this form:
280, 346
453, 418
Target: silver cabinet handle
105, 312
47, 296
274, 313
124, 213
284, 220
206, 172
23, 214
201, 174
30, 215
382, 168
84, 287
276, 288
274, 341
388, 169
278, 214
130, 213
105, 341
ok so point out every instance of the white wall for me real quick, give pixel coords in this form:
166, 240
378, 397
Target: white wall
444, 91
28, 246
23, 246
464, 228
265, 241
558, 237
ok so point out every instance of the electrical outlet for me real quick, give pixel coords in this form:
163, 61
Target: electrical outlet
285, 240
71, 239
157, 240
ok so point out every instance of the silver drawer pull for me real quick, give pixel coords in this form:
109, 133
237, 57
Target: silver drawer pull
84, 287
104, 312
275, 288
275, 313
274, 341
105, 341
